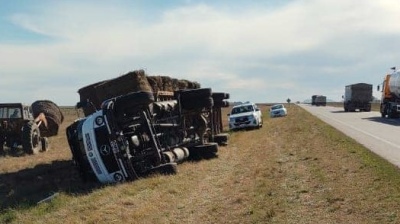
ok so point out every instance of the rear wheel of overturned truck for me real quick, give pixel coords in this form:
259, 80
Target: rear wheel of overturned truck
168, 168
31, 141
205, 151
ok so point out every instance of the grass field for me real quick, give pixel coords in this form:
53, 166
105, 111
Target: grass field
295, 169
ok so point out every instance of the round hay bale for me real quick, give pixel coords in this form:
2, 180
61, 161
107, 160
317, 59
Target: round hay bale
52, 114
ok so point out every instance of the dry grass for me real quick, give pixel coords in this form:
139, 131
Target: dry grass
295, 169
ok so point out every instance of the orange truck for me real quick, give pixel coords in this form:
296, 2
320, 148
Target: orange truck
390, 100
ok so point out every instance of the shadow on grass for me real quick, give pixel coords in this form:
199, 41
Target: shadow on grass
29, 186
13, 152
388, 121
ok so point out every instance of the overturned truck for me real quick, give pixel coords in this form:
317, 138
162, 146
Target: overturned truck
135, 125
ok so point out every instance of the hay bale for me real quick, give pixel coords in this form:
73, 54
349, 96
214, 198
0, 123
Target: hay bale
186, 84
53, 115
155, 83
131, 82
167, 83
175, 84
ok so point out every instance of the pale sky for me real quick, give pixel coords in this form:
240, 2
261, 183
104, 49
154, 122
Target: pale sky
260, 51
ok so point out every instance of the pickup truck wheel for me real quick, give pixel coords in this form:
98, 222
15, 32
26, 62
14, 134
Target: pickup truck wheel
31, 138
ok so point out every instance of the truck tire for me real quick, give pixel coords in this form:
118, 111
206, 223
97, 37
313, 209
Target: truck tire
132, 102
220, 96
221, 103
191, 104
168, 168
135, 98
207, 151
221, 139
45, 144
31, 138
193, 94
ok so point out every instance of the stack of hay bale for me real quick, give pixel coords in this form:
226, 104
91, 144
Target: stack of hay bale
133, 81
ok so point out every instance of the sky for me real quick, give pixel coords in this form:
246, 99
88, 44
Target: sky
261, 51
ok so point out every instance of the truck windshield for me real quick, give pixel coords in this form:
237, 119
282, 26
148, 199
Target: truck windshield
7, 112
242, 109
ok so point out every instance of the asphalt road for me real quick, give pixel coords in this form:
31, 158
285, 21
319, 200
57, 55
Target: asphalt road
380, 135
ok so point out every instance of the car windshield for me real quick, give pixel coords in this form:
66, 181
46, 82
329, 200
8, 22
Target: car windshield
276, 107
242, 109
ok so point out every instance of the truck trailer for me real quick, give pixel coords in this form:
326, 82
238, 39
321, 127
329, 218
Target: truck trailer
357, 97
318, 100
390, 100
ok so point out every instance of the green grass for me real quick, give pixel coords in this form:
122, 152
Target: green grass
296, 169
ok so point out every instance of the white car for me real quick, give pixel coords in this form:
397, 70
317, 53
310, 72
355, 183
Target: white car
246, 115
277, 110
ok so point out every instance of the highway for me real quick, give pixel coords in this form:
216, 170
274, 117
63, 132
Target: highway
380, 135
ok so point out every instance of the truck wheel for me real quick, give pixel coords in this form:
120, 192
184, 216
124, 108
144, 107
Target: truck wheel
168, 168
221, 139
207, 151
221, 103
194, 93
31, 138
220, 96
197, 103
130, 103
135, 98
45, 144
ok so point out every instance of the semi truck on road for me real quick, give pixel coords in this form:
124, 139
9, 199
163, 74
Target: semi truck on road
318, 100
357, 97
390, 100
